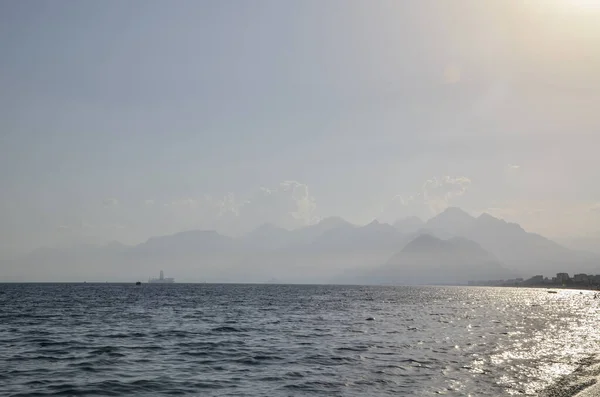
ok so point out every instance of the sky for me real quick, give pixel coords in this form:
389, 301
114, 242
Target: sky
125, 120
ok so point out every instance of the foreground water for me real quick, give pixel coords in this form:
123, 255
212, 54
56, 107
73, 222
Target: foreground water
271, 340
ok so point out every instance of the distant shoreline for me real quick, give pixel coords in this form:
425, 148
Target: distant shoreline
537, 286
546, 286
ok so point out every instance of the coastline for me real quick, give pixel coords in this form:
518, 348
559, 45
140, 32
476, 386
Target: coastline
553, 287
544, 286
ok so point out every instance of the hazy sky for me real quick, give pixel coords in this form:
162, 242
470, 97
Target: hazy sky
120, 120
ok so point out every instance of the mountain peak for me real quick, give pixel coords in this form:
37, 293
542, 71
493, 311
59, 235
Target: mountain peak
426, 238
422, 242
376, 226
452, 218
455, 211
374, 222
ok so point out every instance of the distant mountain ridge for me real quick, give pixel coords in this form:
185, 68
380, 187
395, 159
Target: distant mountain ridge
332, 250
530, 253
430, 260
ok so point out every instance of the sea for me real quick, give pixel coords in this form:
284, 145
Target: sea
295, 340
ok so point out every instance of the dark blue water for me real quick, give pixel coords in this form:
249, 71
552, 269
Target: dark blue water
270, 340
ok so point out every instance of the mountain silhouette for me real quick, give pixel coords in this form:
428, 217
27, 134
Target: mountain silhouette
322, 253
189, 242
452, 221
430, 260
530, 253
452, 247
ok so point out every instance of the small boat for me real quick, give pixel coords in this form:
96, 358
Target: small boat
138, 283
551, 292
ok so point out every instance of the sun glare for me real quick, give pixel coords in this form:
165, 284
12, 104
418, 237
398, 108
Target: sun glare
582, 8
583, 5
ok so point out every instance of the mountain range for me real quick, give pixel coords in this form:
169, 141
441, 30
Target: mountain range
451, 248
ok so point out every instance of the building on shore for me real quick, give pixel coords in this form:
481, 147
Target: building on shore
561, 279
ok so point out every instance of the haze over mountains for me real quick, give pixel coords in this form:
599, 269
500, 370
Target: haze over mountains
451, 248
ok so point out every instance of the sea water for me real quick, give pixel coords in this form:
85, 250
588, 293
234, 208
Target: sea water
287, 340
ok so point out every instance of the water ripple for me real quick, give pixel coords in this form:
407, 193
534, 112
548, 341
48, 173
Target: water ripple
270, 340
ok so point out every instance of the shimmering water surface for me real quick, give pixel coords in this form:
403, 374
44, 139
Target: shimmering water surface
271, 340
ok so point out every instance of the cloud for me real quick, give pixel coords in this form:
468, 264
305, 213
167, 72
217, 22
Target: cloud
446, 187
402, 206
184, 202
438, 193
289, 205
110, 202
595, 207
148, 203
513, 167
203, 212
435, 195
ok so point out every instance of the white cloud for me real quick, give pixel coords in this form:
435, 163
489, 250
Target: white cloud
204, 212
513, 167
435, 195
228, 205
184, 202
595, 207
110, 202
403, 206
288, 205
447, 187
438, 193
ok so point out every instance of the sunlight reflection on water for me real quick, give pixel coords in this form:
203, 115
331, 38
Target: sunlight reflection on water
272, 340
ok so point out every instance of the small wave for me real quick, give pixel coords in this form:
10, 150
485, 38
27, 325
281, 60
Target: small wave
226, 328
197, 353
260, 357
358, 348
315, 386
328, 360
112, 351
124, 336
85, 367
21, 358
